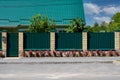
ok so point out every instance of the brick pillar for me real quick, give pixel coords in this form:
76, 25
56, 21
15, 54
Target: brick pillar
4, 42
117, 40
84, 40
52, 40
20, 43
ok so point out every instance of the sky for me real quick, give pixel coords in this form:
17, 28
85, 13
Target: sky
100, 10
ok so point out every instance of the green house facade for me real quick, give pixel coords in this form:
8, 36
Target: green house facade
19, 12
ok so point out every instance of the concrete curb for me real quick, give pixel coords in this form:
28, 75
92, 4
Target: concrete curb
55, 62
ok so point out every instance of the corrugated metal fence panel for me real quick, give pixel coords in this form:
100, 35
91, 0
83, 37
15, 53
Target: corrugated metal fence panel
12, 45
1, 41
68, 41
101, 41
36, 41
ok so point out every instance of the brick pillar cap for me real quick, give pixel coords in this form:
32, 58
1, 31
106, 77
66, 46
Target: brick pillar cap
4, 30
52, 30
21, 30
117, 30
84, 30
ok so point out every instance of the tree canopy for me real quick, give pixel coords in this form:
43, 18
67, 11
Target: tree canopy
115, 23
76, 25
116, 17
41, 23
106, 27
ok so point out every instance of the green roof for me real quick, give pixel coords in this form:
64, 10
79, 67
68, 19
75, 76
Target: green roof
19, 12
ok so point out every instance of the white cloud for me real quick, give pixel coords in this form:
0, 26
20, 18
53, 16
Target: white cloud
91, 8
101, 19
110, 10
100, 13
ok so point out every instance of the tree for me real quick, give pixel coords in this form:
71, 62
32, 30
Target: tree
41, 23
88, 28
115, 23
104, 26
113, 26
76, 25
116, 17
96, 27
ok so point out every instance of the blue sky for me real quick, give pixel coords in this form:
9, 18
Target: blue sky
100, 10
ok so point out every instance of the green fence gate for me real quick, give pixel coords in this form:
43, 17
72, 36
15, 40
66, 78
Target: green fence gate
101, 41
68, 41
12, 45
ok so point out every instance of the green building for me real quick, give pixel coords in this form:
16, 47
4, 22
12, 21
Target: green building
19, 12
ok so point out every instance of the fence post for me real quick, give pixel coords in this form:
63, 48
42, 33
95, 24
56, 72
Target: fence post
4, 42
20, 43
117, 40
84, 40
52, 40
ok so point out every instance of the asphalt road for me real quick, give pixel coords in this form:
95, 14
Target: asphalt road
79, 71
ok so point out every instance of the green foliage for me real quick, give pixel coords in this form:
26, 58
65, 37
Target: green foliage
88, 28
41, 23
111, 27
70, 29
116, 17
115, 23
96, 27
104, 26
76, 25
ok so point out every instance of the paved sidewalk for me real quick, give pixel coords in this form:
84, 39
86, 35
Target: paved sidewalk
58, 60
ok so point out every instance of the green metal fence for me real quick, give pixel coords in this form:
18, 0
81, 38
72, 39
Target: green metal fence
101, 41
36, 41
68, 41
12, 44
